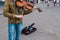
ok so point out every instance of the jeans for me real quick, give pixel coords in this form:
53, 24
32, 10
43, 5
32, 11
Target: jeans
14, 31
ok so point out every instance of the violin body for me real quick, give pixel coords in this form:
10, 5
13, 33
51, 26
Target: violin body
27, 5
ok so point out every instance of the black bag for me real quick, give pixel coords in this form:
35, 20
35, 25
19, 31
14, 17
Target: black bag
28, 30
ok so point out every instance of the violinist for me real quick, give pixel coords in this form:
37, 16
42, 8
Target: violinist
15, 14
15, 17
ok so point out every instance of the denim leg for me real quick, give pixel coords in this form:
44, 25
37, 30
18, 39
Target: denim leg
11, 31
18, 31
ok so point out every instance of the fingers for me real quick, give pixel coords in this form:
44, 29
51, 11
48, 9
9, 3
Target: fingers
35, 6
19, 16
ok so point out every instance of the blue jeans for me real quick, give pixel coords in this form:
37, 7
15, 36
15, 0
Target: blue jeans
14, 31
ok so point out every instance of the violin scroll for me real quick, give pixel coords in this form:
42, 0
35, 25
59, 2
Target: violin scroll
39, 9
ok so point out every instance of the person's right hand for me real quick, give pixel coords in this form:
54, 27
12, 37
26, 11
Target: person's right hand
19, 16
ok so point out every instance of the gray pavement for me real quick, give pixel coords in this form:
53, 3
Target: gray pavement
46, 22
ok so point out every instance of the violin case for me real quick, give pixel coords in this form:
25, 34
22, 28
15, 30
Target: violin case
28, 30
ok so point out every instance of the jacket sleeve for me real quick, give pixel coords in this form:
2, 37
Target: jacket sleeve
6, 12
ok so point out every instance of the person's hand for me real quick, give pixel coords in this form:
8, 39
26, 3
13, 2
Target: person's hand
19, 16
35, 7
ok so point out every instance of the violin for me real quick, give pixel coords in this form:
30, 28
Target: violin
27, 5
